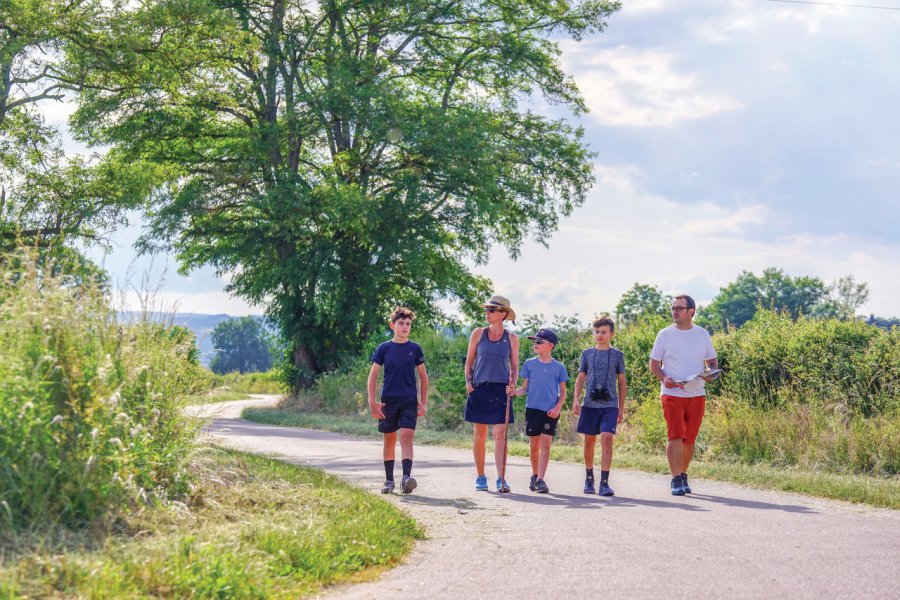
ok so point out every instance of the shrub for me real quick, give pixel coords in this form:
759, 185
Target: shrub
89, 408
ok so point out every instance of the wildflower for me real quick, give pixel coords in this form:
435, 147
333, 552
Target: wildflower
57, 419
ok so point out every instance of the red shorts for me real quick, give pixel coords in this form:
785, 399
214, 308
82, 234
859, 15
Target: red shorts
683, 417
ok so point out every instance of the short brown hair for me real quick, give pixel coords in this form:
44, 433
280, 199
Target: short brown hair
601, 321
401, 312
687, 300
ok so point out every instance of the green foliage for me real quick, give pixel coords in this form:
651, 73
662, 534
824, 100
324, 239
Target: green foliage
89, 408
642, 300
736, 303
844, 366
243, 345
48, 200
342, 158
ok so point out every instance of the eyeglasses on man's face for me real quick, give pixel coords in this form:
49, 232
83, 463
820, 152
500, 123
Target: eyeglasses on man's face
676, 309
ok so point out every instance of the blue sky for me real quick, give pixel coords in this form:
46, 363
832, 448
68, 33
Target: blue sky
730, 136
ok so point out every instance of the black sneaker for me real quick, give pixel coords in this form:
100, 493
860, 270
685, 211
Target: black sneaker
408, 484
605, 490
684, 484
388, 487
541, 487
589, 485
532, 485
677, 487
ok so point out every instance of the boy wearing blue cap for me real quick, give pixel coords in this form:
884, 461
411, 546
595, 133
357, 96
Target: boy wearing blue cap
544, 381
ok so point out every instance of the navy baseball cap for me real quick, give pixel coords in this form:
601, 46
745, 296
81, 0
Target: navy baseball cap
548, 335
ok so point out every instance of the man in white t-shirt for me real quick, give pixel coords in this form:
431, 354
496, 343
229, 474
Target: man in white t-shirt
681, 352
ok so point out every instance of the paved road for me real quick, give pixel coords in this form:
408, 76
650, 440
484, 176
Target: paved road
724, 541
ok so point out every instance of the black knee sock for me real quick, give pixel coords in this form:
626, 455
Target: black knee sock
389, 470
590, 473
604, 477
407, 467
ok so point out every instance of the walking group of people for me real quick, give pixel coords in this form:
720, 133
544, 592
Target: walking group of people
682, 358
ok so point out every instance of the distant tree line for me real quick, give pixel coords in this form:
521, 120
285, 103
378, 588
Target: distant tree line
737, 302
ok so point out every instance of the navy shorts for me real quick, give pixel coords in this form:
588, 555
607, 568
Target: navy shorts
399, 413
487, 405
598, 420
537, 422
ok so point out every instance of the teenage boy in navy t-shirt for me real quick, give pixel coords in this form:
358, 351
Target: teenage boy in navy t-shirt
545, 383
398, 408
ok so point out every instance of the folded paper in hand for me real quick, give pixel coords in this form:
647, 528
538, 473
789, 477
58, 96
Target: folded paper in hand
711, 374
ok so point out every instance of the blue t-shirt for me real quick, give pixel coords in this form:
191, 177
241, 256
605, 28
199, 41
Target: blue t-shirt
399, 362
543, 382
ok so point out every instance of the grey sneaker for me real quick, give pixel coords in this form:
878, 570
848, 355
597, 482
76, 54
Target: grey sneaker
407, 485
589, 485
684, 484
532, 485
541, 487
677, 487
388, 487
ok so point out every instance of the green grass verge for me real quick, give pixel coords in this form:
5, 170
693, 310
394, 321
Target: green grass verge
254, 528
882, 492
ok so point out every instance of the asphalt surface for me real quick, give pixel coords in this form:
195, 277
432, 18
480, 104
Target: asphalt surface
723, 541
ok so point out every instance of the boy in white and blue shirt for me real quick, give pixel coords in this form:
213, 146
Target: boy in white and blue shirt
544, 381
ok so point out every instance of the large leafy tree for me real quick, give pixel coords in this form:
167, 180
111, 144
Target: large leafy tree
737, 302
642, 300
338, 157
49, 200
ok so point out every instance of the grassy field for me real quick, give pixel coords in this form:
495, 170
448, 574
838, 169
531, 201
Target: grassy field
875, 491
253, 528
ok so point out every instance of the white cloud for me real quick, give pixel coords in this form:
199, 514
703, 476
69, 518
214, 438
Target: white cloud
625, 86
720, 219
625, 235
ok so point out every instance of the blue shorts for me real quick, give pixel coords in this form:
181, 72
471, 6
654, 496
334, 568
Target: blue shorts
598, 420
399, 413
487, 405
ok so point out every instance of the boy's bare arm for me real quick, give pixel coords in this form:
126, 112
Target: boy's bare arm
579, 386
423, 389
553, 413
374, 405
623, 392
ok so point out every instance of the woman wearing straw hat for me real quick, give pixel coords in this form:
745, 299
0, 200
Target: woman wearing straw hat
492, 369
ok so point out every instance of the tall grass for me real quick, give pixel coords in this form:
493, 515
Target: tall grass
89, 407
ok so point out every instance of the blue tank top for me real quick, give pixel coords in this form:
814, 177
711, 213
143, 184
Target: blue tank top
492, 359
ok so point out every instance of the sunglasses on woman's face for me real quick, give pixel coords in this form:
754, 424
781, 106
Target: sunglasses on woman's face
491, 309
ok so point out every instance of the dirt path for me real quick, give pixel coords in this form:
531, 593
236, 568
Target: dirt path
724, 541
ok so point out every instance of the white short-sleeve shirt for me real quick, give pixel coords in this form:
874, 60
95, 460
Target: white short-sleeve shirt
683, 353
